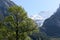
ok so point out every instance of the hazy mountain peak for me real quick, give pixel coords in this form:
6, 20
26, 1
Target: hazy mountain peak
36, 17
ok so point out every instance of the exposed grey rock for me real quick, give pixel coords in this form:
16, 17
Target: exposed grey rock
4, 4
51, 26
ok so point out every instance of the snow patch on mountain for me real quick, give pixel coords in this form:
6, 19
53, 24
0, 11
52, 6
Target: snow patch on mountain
36, 17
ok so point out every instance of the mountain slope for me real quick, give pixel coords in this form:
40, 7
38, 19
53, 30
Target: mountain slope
51, 26
4, 4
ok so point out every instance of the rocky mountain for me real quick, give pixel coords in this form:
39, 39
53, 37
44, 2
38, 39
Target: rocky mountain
4, 4
51, 26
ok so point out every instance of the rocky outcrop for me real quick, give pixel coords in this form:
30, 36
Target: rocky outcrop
51, 26
4, 4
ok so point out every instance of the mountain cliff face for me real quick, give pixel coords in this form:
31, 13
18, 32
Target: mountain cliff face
4, 4
51, 26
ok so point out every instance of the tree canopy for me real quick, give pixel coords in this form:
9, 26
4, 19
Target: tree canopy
17, 24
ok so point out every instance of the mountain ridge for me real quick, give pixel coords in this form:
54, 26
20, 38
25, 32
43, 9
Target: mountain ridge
51, 26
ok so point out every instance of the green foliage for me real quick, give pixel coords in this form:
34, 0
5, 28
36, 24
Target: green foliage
39, 36
17, 22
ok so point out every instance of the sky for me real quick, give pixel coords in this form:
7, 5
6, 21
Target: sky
43, 8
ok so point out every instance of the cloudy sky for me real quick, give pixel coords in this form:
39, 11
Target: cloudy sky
43, 8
